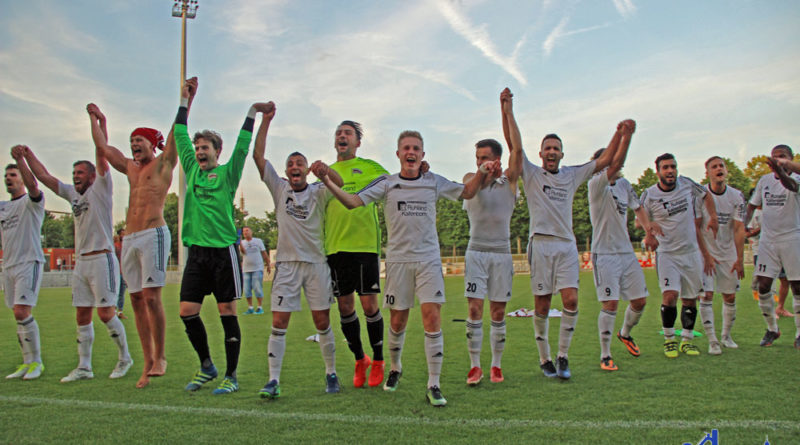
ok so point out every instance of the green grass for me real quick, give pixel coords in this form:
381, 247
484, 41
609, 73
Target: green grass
747, 394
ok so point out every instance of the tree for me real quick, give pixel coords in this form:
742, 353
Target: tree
648, 179
520, 221
452, 224
581, 223
756, 168
58, 232
171, 217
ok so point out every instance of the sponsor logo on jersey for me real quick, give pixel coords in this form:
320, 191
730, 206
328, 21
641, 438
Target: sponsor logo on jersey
676, 206
555, 193
357, 171
412, 208
298, 211
773, 200
212, 176
79, 208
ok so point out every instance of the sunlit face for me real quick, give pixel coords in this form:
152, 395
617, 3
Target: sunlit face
484, 154
551, 154
14, 185
717, 171
410, 153
82, 177
205, 154
247, 233
346, 142
667, 172
297, 171
142, 149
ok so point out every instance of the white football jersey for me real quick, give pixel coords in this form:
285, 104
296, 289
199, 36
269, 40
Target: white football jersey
21, 228
410, 213
94, 223
550, 197
675, 211
730, 207
489, 213
300, 218
780, 209
608, 210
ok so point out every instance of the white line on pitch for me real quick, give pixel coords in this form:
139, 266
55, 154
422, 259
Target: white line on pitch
383, 420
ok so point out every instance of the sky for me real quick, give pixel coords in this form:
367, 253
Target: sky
700, 78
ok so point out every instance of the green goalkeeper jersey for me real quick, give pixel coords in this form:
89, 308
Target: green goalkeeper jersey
208, 206
354, 230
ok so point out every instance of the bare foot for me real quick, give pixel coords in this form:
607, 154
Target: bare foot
144, 380
158, 369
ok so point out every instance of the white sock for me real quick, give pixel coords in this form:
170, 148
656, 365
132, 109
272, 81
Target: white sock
707, 318
497, 336
669, 333
275, 351
396, 341
728, 317
117, 332
568, 322
630, 320
85, 340
327, 344
605, 326
767, 306
796, 308
474, 342
28, 333
250, 307
434, 352
540, 328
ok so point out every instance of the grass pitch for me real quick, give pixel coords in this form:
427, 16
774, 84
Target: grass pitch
746, 394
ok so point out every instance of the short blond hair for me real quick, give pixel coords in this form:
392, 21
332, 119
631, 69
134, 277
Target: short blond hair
410, 134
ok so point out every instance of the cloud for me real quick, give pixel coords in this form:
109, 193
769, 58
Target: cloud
557, 32
625, 8
478, 36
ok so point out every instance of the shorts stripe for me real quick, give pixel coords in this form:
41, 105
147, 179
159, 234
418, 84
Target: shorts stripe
111, 278
594, 269
237, 273
35, 277
160, 249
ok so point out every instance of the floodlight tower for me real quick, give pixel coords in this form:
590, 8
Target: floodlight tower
185, 9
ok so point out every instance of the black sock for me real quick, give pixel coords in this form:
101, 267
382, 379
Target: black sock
375, 332
197, 336
668, 316
352, 332
233, 342
688, 317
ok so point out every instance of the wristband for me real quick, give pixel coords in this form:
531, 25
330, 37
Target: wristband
483, 169
251, 113
185, 102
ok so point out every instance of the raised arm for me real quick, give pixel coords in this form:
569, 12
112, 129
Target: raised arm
512, 136
260, 147
608, 155
99, 154
790, 165
622, 140
473, 185
783, 175
321, 169
39, 170
112, 154
348, 200
18, 153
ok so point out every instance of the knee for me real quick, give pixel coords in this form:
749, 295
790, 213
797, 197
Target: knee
638, 304
475, 312
610, 306
21, 312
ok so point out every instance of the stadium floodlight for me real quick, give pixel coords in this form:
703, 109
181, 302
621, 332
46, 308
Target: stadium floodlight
189, 7
185, 9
